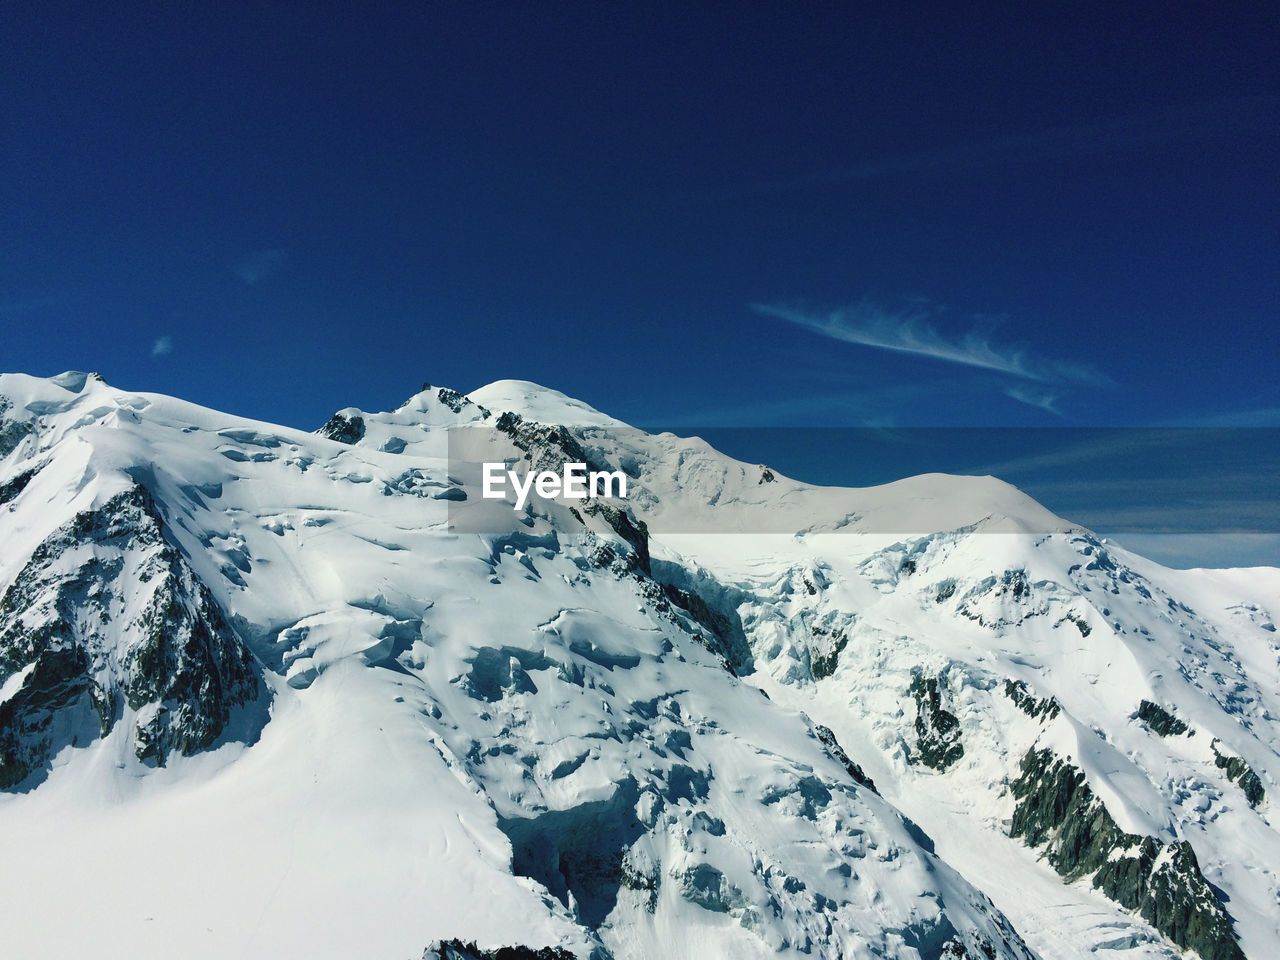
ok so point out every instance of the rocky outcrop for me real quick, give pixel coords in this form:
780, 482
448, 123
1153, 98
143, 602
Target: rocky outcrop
1056, 809
828, 740
703, 606
344, 429
12, 432
937, 729
108, 615
1241, 774
825, 650
456, 401
1008, 600
713, 621
955, 949
1035, 708
634, 532
1159, 720
545, 447
459, 950
10, 489
550, 448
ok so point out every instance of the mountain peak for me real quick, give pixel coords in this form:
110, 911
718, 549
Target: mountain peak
603, 724
543, 404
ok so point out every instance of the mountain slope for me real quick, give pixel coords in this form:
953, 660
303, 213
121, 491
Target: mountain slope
616, 730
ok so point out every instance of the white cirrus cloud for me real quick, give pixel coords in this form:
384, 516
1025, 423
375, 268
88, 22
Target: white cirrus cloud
1229, 117
1046, 400
162, 346
909, 330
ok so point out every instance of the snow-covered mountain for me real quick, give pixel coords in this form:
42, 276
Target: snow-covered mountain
262, 696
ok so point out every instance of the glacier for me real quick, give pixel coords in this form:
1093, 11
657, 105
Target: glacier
261, 695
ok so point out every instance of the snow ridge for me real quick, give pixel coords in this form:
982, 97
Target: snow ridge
616, 731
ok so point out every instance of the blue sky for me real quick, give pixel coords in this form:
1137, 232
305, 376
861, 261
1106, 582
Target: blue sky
757, 215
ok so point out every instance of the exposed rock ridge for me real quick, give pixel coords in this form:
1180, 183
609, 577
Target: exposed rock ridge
108, 617
1056, 809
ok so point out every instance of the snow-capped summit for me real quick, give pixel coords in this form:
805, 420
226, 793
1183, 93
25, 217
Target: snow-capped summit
263, 680
541, 404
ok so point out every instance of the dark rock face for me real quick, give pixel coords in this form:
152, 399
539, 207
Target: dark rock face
458, 950
725, 631
955, 949
937, 730
1046, 707
633, 531
546, 447
10, 489
550, 448
58, 683
828, 740
452, 399
343, 429
1014, 583
1081, 624
1240, 773
1055, 807
824, 654
12, 432
699, 605
1016, 600
108, 613
1159, 720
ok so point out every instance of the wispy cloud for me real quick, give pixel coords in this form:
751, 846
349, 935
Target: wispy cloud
1092, 447
255, 267
875, 408
162, 346
1169, 124
1046, 400
911, 331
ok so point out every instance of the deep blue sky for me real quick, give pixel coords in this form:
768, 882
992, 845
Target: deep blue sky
740, 215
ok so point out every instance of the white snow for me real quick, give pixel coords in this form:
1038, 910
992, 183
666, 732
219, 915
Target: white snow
428, 689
